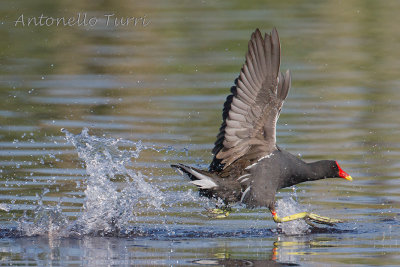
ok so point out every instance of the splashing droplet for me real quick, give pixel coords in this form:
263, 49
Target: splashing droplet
286, 207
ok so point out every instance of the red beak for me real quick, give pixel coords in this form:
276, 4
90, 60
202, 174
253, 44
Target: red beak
343, 174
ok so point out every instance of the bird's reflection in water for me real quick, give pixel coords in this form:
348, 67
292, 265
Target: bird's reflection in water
286, 251
240, 262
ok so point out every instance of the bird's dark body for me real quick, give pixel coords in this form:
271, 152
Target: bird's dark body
277, 170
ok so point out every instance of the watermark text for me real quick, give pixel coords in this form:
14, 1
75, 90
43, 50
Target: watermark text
82, 20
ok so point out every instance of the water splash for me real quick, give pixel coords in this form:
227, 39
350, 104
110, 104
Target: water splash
288, 206
47, 220
109, 207
5, 207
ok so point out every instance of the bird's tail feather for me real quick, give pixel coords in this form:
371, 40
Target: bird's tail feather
199, 178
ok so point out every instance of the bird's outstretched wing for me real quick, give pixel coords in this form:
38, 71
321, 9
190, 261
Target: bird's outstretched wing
250, 113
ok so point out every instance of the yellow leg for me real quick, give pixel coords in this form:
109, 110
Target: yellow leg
307, 216
219, 213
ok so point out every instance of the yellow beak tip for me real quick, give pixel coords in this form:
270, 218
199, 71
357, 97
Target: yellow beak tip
348, 178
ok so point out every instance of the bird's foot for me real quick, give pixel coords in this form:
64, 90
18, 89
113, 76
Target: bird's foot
321, 219
219, 213
307, 216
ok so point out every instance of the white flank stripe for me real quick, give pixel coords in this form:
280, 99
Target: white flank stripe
244, 193
251, 166
265, 157
255, 163
244, 180
243, 176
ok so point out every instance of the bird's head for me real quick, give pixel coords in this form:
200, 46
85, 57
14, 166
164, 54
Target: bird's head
340, 173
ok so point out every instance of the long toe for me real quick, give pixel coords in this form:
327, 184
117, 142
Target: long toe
322, 220
218, 213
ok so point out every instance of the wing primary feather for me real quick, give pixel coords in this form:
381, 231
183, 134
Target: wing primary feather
267, 51
285, 86
239, 103
256, 59
261, 53
244, 90
245, 98
247, 83
249, 77
251, 69
238, 110
256, 56
275, 51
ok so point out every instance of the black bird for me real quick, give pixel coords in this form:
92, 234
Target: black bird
248, 165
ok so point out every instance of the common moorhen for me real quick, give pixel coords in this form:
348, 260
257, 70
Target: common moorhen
248, 166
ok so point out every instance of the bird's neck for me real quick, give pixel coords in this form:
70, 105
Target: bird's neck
303, 172
317, 170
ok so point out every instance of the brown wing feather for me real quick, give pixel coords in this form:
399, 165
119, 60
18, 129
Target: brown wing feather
250, 113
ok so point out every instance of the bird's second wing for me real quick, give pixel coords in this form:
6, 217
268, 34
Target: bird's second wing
252, 110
